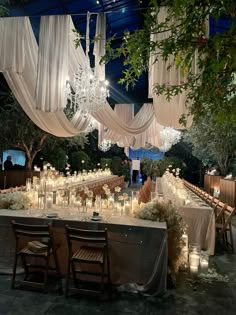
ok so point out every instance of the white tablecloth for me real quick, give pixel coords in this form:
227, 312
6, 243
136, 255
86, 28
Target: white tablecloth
198, 216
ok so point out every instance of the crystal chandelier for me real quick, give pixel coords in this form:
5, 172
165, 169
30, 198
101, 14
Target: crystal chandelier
169, 137
86, 92
105, 145
91, 127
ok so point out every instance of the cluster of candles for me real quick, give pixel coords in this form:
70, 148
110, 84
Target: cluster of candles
65, 196
197, 260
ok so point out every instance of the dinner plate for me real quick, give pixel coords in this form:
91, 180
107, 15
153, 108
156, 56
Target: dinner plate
51, 215
97, 218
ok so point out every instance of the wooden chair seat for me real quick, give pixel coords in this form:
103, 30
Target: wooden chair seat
89, 254
224, 226
27, 251
87, 261
25, 234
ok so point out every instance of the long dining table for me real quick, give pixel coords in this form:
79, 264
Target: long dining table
138, 248
198, 216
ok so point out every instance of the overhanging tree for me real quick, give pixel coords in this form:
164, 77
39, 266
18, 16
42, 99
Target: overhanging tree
212, 88
212, 141
18, 131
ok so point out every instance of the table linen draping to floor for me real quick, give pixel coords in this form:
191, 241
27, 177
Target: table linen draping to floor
138, 248
199, 217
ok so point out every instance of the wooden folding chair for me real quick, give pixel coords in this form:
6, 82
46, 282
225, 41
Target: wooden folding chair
224, 226
34, 244
87, 248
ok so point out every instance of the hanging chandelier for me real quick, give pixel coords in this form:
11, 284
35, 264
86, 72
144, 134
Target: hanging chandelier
105, 145
169, 137
86, 92
91, 127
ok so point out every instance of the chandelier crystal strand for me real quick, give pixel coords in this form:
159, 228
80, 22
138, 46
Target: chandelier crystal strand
105, 145
169, 137
87, 93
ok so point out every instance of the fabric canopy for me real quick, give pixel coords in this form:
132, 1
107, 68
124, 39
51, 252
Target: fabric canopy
167, 113
37, 76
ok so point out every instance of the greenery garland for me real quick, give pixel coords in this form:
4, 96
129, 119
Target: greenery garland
176, 227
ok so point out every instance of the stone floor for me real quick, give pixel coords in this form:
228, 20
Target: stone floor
212, 293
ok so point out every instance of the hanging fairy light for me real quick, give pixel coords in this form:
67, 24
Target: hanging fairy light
105, 145
169, 137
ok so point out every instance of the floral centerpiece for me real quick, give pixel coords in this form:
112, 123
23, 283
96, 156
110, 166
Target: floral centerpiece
17, 200
176, 227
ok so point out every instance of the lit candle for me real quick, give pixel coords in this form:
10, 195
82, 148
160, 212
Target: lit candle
135, 205
204, 263
194, 259
193, 269
127, 208
49, 202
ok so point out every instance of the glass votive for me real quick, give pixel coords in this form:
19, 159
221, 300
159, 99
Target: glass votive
97, 203
194, 257
89, 202
111, 201
28, 184
49, 200
127, 206
204, 262
135, 199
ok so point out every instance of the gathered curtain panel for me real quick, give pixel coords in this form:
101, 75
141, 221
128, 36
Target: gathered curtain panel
30, 84
99, 46
167, 112
150, 136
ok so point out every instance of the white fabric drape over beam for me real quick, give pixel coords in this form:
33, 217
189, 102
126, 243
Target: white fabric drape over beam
24, 79
23, 83
167, 113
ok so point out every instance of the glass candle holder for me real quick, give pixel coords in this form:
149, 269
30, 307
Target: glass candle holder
127, 206
194, 257
204, 262
135, 199
49, 200
98, 203
28, 184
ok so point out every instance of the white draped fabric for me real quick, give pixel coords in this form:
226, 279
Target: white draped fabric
12, 36
32, 72
52, 63
99, 45
140, 123
23, 84
126, 112
167, 112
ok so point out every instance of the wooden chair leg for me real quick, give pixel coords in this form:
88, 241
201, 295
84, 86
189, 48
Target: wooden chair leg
58, 271
74, 273
14, 271
108, 270
231, 237
26, 269
102, 278
67, 278
46, 273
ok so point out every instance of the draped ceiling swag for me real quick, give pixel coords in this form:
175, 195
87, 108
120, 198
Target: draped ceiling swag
28, 78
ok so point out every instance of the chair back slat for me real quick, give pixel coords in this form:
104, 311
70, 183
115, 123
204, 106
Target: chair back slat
37, 231
88, 236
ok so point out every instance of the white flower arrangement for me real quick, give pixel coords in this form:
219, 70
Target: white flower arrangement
88, 192
124, 196
176, 227
117, 189
17, 200
107, 190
